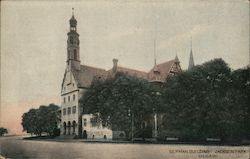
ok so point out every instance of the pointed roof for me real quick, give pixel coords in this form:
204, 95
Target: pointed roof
191, 60
177, 59
72, 20
163, 68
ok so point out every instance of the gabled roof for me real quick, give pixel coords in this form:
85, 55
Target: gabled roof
163, 69
131, 72
86, 74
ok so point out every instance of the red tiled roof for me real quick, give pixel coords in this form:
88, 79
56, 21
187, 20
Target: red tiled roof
131, 72
86, 74
163, 69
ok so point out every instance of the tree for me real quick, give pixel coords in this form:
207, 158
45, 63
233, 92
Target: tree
119, 101
3, 131
208, 101
239, 97
42, 120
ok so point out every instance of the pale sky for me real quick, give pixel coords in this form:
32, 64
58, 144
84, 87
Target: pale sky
34, 34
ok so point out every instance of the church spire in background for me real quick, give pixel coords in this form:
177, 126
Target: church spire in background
154, 53
191, 58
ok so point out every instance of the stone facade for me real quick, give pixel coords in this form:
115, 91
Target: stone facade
95, 129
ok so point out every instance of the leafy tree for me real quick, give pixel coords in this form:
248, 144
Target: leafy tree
208, 101
41, 120
3, 131
239, 97
119, 99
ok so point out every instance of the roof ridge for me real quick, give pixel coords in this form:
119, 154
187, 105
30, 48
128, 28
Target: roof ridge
132, 69
161, 64
166, 62
93, 67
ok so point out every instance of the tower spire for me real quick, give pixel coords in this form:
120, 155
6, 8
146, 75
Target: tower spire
154, 52
176, 57
191, 43
73, 59
191, 58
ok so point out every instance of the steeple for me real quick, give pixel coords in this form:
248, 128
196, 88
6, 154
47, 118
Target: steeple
73, 57
176, 59
191, 58
154, 53
73, 22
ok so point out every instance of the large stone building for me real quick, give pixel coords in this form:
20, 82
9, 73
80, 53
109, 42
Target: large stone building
77, 79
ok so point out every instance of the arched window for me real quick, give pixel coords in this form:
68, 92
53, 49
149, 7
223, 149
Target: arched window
64, 128
74, 126
71, 40
69, 126
84, 122
75, 54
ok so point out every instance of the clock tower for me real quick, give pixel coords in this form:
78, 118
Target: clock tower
73, 56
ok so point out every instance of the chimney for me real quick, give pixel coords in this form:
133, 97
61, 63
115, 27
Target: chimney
115, 61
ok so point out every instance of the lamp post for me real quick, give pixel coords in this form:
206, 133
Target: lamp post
132, 123
155, 134
155, 123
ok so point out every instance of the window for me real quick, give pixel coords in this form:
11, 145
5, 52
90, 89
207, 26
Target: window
73, 109
75, 54
104, 124
71, 40
64, 100
69, 110
69, 98
93, 122
74, 97
85, 122
64, 111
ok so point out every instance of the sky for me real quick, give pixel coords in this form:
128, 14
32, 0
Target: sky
34, 35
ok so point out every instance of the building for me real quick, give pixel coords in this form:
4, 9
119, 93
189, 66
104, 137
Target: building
77, 79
